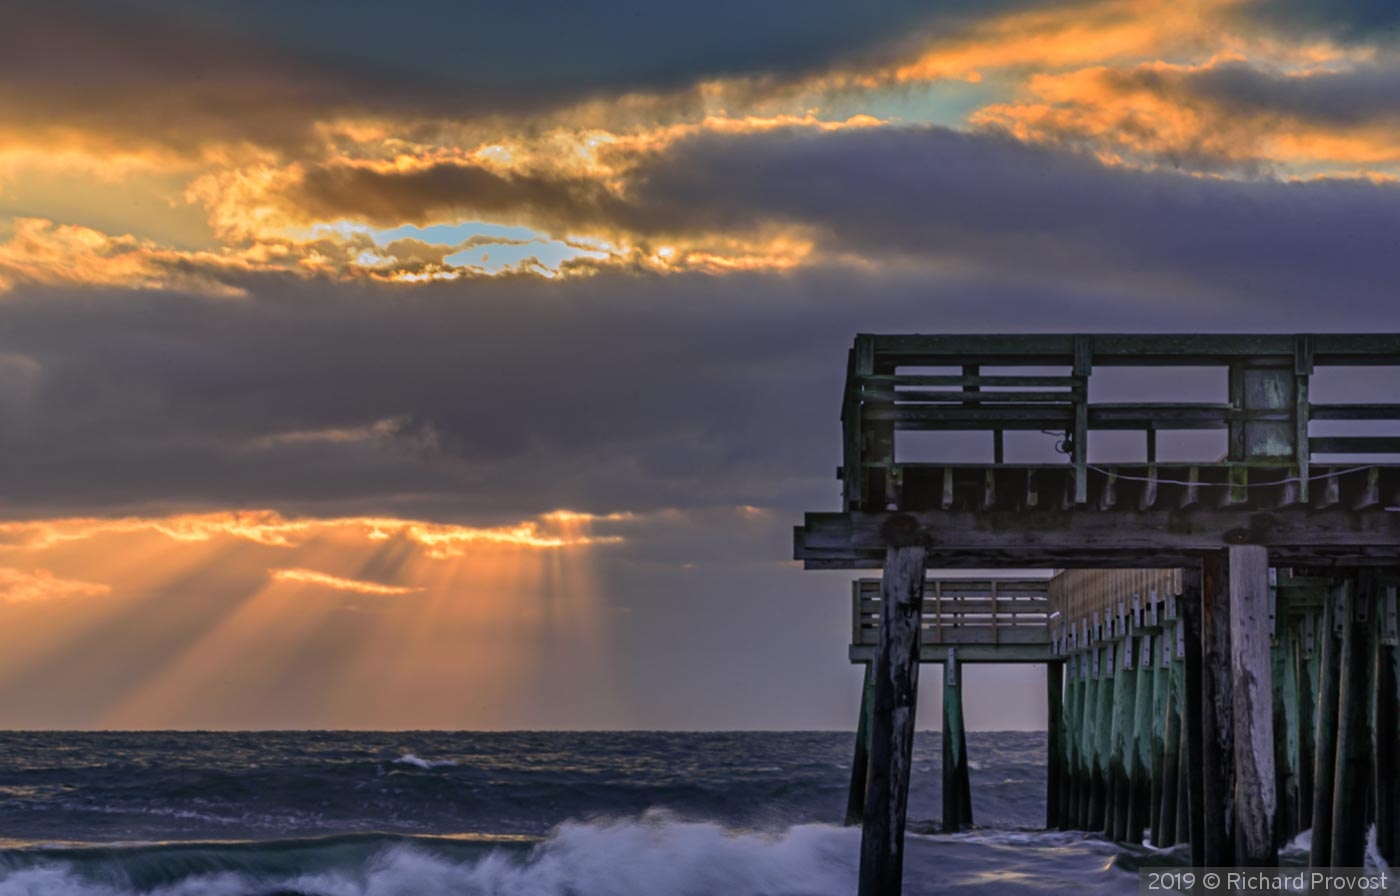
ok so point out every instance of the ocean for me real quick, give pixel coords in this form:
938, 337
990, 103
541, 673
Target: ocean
330, 813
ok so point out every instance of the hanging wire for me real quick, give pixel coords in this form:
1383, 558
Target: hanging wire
1276, 482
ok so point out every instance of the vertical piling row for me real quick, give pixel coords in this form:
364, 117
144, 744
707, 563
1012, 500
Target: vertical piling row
1249, 708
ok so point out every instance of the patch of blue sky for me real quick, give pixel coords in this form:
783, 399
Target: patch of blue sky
496, 257
946, 102
454, 234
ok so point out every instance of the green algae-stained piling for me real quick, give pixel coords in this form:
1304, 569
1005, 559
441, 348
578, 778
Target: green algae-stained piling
1219, 633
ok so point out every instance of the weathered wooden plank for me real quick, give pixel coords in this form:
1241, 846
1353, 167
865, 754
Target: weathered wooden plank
995, 381
1251, 690
1167, 822
1217, 707
1055, 741
1123, 537
1204, 529
1354, 445
1109, 349
1386, 731
1355, 411
1033, 608
1287, 734
1353, 739
1325, 732
1084, 751
967, 653
1101, 729
1121, 741
1139, 763
957, 397
966, 635
1308, 669
1020, 589
1157, 734
1064, 791
895, 698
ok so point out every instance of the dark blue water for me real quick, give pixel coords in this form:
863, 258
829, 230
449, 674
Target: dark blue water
535, 814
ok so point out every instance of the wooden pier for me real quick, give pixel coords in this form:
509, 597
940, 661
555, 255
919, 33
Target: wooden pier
1220, 638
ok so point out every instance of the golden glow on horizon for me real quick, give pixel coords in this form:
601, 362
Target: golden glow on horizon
254, 618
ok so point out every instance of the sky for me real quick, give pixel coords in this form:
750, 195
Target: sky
439, 365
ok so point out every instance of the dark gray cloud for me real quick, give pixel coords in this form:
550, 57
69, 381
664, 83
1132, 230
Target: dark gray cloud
537, 50
1359, 20
181, 74
1364, 95
999, 204
626, 390
421, 195
933, 195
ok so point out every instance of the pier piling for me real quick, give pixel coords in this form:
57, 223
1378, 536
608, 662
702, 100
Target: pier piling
893, 702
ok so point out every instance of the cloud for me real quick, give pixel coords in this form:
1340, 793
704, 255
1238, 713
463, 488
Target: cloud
336, 583
558, 529
1226, 116
117, 75
630, 389
1355, 20
18, 586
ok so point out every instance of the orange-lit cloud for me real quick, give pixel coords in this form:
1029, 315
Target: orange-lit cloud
281, 187
560, 529
18, 586
1217, 117
337, 583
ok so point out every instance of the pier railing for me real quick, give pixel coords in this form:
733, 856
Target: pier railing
1000, 620
1001, 384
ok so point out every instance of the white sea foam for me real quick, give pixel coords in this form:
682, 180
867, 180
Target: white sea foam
413, 760
655, 854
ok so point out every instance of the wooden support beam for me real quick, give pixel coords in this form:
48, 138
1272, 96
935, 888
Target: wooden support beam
1084, 753
1140, 748
1217, 710
1067, 730
1192, 612
855, 797
1157, 734
1121, 738
1287, 732
1349, 797
1184, 819
1387, 727
895, 698
1325, 718
1055, 741
1103, 717
957, 798
1172, 738
1124, 537
1251, 688
1308, 666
